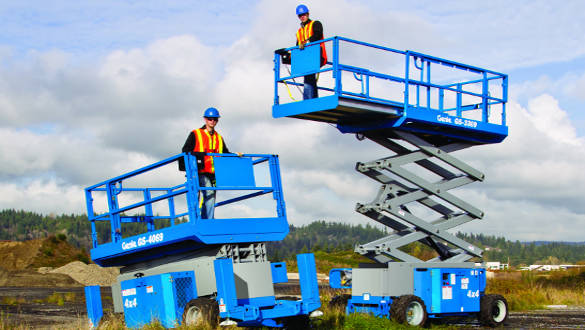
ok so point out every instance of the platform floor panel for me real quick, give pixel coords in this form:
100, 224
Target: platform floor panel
187, 237
353, 115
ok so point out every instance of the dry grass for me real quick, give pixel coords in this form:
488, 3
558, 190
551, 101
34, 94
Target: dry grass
523, 290
527, 290
13, 301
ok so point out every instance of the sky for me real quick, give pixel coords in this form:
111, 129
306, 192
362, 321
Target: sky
93, 89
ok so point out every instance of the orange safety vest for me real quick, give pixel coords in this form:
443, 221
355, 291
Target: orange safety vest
303, 35
207, 143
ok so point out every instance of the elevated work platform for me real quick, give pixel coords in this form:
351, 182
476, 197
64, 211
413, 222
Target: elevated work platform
131, 223
395, 90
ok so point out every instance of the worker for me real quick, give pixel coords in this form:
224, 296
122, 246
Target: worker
310, 31
206, 140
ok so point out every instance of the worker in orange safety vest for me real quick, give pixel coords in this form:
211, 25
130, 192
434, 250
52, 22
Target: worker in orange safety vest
206, 140
310, 31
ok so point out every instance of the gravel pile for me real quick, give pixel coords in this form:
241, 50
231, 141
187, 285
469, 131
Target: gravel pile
89, 274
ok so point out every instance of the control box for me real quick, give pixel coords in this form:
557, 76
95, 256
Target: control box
159, 298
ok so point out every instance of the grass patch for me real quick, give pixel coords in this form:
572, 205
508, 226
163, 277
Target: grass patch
325, 261
56, 298
528, 290
13, 301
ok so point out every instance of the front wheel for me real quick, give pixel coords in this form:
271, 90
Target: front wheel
493, 310
201, 310
409, 309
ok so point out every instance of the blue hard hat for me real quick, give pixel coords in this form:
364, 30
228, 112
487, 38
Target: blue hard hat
211, 113
302, 9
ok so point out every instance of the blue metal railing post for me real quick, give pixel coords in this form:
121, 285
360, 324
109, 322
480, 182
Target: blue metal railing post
115, 222
148, 211
277, 186
441, 99
368, 86
172, 213
90, 213
336, 72
459, 100
484, 98
276, 77
192, 184
504, 97
406, 85
429, 87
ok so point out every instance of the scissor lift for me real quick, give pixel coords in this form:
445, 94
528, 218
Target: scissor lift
180, 268
422, 109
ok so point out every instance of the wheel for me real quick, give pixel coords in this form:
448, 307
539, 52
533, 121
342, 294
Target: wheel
409, 309
339, 301
204, 310
493, 310
299, 322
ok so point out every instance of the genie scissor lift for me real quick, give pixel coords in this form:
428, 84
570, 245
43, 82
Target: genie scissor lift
177, 268
422, 109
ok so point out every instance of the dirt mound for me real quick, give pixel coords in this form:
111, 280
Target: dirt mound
30, 278
88, 274
49, 252
19, 255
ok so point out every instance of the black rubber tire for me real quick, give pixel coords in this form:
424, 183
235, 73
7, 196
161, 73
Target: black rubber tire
493, 310
409, 309
339, 301
297, 322
204, 310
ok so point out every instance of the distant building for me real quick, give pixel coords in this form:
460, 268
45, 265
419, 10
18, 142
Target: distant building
496, 265
546, 268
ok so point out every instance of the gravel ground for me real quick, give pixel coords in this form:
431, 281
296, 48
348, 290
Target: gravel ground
29, 307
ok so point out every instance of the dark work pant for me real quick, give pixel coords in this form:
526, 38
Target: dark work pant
310, 87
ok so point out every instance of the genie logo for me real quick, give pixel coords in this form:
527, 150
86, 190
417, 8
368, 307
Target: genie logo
129, 245
143, 240
444, 119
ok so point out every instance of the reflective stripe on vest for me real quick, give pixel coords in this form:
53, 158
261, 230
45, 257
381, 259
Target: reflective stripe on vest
210, 144
306, 32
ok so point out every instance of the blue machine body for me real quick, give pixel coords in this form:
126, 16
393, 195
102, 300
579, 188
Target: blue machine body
157, 298
93, 304
266, 311
430, 95
187, 230
163, 297
444, 291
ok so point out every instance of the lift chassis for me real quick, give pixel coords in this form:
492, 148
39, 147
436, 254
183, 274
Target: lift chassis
433, 117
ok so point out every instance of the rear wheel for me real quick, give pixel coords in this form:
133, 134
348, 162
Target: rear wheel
297, 322
201, 310
409, 309
493, 310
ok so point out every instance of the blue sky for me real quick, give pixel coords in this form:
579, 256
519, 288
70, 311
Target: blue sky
90, 89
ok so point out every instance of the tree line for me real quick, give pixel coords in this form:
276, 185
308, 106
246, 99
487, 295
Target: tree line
20, 225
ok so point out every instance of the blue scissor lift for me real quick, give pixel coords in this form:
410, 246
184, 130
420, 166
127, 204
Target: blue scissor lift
421, 108
177, 268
